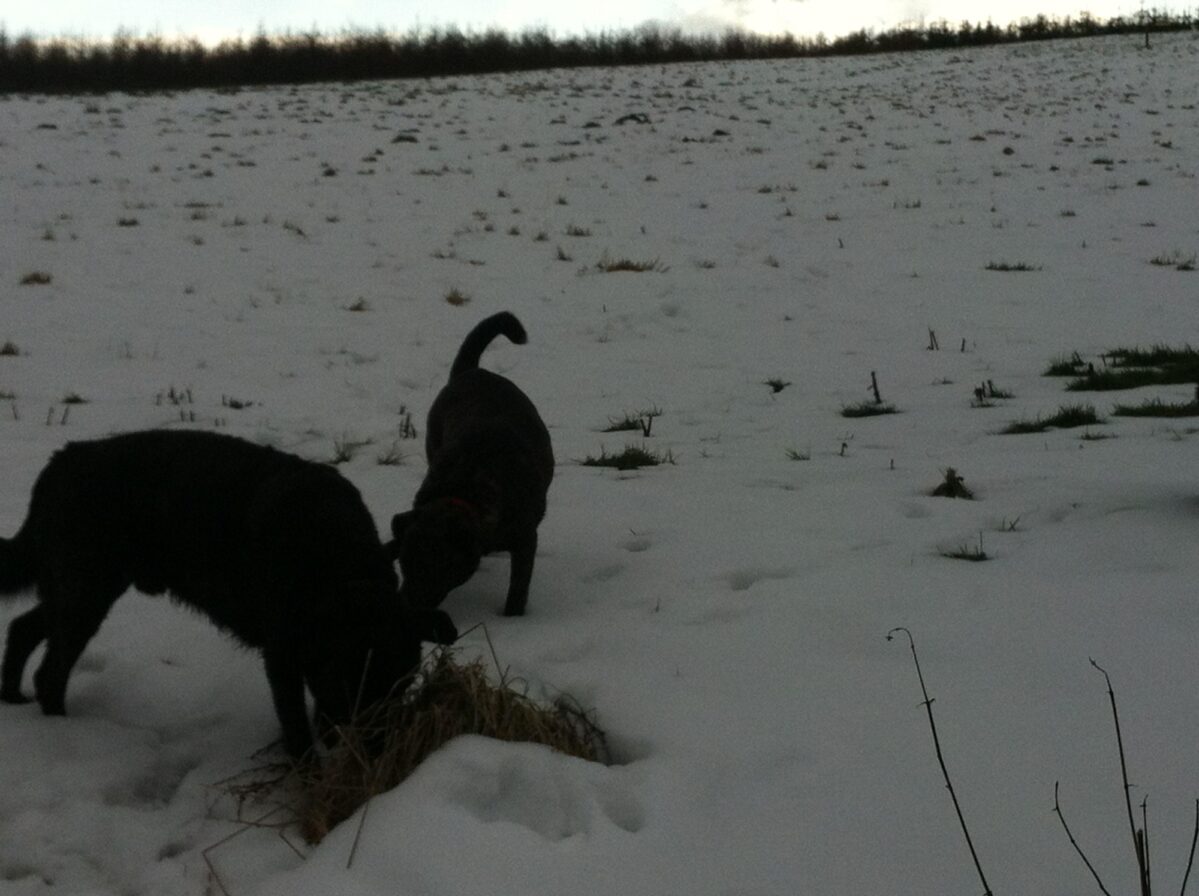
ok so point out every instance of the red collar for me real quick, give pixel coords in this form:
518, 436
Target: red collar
463, 505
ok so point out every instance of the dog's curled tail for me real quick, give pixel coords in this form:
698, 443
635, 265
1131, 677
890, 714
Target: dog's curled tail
16, 567
480, 337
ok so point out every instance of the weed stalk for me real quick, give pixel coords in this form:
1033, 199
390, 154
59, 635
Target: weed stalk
932, 724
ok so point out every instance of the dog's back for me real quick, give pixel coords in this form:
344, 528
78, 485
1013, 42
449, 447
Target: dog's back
478, 409
197, 514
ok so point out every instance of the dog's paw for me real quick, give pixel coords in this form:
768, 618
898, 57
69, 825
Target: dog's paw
515, 604
15, 697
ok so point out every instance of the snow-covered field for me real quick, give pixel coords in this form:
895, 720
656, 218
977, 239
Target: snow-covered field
276, 263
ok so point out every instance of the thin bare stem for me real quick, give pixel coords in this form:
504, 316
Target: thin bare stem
502, 671
928, 706
358, 834
282, 832
1144, 839
1191, 859
1137, 836
1057, 810
245, 826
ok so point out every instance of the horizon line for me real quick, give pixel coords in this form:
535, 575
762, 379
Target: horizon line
649, 25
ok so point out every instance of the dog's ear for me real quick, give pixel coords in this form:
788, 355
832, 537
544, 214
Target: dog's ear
399, 525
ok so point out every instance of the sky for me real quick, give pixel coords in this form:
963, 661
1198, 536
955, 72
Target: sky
215, 20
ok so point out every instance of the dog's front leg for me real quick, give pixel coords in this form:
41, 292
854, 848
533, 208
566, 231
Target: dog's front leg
523, 550
287, 690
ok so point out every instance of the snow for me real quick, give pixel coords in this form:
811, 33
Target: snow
725, 615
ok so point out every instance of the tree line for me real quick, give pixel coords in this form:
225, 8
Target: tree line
134, 63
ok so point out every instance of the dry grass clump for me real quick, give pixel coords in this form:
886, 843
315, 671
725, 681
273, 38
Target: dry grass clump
954, 486
385, 745
610, 265
1066, 417
633, 457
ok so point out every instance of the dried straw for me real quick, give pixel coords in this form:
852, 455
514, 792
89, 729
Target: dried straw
384, 745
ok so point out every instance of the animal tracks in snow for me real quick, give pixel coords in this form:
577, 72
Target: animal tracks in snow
154, 786
636, 544
745, 579
603, 573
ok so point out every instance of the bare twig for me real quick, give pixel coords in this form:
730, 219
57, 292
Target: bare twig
928, 706
245, 826
1057, 810
1144, 843
1138, 840
358, 833
282, 832
501, 671
1191, 859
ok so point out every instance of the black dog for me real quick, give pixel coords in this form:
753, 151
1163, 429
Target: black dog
276, 550
490, 465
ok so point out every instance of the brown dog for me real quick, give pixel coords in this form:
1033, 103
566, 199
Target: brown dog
490, 465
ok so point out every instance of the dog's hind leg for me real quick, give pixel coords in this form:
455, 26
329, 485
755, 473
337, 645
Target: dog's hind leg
73, 614
25, 633
523, 551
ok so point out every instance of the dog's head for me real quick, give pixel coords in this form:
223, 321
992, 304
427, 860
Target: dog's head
439, 546
372, 653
